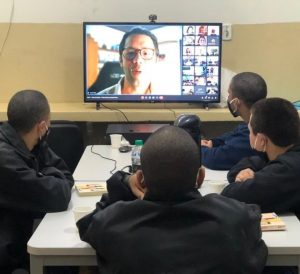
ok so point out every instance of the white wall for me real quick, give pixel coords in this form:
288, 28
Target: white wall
76, 11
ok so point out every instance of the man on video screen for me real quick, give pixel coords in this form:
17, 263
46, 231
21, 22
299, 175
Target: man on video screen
139, 55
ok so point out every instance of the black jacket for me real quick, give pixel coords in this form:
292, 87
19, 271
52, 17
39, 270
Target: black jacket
31, 184
275, 186
190, 235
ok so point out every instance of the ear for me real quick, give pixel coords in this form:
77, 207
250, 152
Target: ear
140, 179
262, 139
239, 103
41, 127
200, 177
265, 141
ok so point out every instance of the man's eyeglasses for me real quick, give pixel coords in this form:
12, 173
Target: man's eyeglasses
145, 53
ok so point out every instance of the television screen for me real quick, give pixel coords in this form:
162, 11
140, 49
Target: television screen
152, 62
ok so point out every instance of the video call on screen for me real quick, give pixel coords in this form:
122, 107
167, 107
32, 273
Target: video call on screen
201, 60
189, 69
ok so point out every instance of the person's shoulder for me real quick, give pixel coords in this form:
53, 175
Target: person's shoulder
2, 138
10, 155
229, 213
119, 209
228, 205
6, 129
9, 141
243, 126
295, 148
241, 131
291, 157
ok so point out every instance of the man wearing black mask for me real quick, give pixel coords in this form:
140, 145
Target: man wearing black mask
225, 151
33, 179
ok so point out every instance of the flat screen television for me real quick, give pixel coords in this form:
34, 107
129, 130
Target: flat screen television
184, 65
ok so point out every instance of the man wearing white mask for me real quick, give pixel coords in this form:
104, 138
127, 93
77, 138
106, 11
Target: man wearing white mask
272, 183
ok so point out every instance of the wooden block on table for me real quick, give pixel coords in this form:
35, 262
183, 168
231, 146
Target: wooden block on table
91, 189
271, 222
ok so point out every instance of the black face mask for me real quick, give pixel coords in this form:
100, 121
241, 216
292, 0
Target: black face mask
45, 136
41, 143
234, 113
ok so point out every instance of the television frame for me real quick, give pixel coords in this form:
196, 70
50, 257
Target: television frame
166, 98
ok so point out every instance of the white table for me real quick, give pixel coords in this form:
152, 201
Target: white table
93, 168
56, 240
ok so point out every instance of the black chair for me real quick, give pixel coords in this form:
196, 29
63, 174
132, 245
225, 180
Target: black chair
191, 124
66, 140
109, 75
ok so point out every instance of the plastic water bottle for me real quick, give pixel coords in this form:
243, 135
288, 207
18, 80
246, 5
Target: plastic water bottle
136, 155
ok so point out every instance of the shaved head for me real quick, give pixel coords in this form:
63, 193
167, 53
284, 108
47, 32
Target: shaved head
27, 108
249, 87
170, 162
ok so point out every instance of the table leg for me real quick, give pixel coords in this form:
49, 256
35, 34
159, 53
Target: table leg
36, 265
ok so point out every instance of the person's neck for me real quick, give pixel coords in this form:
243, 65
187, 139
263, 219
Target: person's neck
274, 151
29, 140
245, 115
132, 89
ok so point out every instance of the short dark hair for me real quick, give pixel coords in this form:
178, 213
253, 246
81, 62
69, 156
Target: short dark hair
135, 31
170, 161
278, 119
249, 87
27, 108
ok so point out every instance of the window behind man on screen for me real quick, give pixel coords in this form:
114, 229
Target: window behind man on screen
184, 65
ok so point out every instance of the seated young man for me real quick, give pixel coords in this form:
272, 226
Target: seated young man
172, 229
272, 183
33, 179
223, 152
